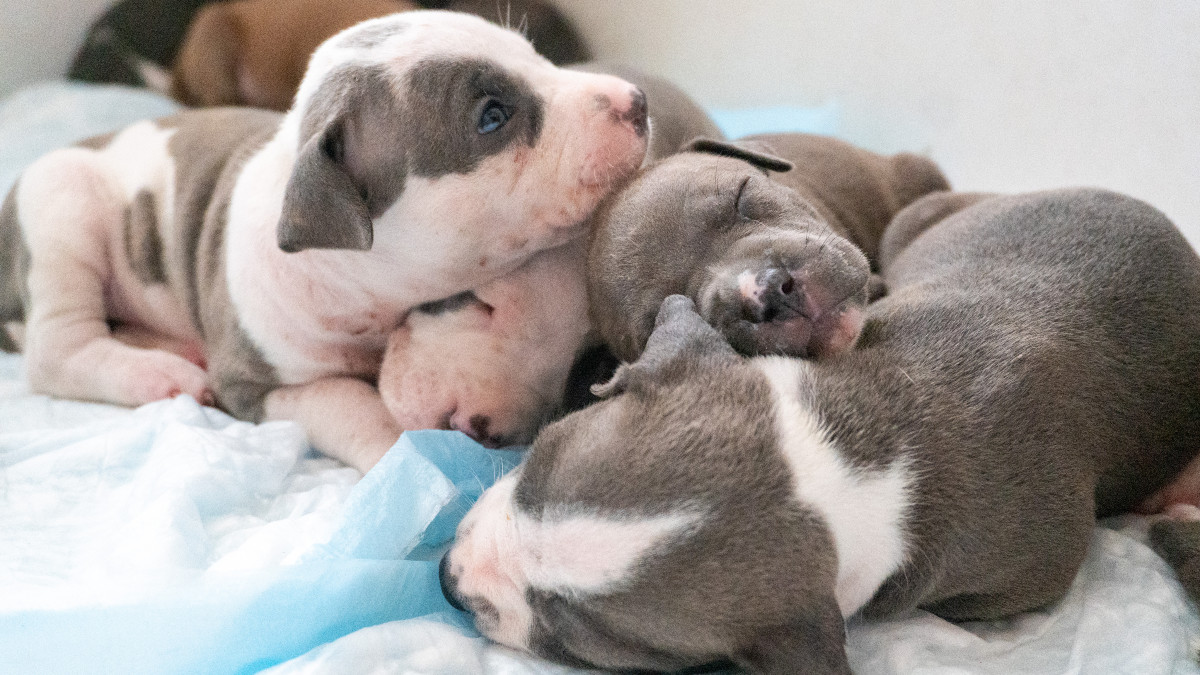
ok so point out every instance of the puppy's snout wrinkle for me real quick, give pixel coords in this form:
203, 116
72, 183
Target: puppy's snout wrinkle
449, 584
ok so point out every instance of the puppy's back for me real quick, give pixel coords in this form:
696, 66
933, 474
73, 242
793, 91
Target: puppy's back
1106, 281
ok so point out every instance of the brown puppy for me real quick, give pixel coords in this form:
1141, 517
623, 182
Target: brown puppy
254, 52
774, 237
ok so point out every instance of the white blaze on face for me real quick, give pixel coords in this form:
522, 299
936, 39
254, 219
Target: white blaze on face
864, 510
502, 553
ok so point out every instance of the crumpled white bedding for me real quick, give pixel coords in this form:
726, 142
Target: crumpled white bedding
173, 539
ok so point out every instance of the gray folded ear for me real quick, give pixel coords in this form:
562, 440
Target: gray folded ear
815, 644
753, 152
322, 205
680, 338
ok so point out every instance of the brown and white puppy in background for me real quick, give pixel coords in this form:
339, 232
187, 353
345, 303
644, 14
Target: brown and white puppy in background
254, 52
774, 237
445, 367
428, 153
1033, 366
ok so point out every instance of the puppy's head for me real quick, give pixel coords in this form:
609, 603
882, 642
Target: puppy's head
445, 142
643, 534
761, 263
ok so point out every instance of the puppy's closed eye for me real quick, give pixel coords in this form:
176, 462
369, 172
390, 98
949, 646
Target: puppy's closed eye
741, 203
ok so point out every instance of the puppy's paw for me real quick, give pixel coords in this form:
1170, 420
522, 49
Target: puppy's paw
153, 375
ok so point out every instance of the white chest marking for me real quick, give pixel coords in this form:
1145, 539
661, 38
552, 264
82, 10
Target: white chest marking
864, 510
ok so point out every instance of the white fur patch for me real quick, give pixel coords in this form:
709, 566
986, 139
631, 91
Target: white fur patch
500, 553
864, 510
592, 554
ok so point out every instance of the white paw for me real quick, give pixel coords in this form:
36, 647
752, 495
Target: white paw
153, 375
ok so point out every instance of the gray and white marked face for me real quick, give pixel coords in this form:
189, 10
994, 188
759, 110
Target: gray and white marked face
639, 534
424, 119
763, 266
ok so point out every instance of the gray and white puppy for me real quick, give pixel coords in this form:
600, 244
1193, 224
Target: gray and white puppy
494, 362
261, 261
773, 236
1033, 366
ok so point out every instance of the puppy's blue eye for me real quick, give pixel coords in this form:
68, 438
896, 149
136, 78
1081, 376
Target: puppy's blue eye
493, 116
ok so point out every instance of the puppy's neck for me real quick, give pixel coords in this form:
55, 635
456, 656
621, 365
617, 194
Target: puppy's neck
864, 507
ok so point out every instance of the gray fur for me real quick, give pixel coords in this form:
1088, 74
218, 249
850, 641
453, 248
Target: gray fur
688, 223
441, 136
1178, 542
143, 242
210, 146
335, 190
14, 270
363, 135
1033, 366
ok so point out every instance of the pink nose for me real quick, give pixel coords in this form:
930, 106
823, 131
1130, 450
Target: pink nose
625, 105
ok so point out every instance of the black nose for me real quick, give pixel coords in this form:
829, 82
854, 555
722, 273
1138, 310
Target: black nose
781, 297
449, 584
638, 112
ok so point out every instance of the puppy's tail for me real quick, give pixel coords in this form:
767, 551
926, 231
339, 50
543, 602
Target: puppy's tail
14, 262
1178, 542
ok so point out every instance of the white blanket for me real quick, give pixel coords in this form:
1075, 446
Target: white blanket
172, 539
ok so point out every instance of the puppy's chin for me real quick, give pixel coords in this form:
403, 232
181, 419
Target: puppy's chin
837, 331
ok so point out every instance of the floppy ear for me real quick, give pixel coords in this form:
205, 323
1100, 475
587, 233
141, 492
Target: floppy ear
678, 331
753, 152
322, 206
816, 644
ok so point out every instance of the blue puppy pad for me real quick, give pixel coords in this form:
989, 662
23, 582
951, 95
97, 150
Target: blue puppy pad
738, 122
242, 619
51, 115
415, 495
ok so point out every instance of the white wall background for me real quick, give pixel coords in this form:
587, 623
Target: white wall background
38, 38
1006, 95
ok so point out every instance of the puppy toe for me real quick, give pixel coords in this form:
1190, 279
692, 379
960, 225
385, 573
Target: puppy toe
157, 375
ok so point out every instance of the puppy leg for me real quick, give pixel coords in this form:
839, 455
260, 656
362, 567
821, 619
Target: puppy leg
344, 417
136, 336
1176, 539
68, 208
496, 367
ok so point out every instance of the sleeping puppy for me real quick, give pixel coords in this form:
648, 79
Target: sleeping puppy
494, 363
773, 236
428, 153
254, 52
1033, 366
